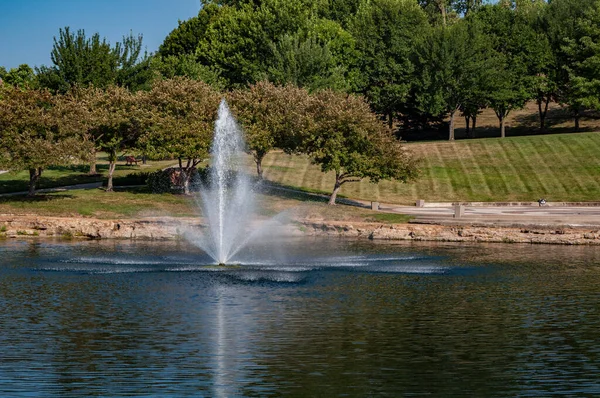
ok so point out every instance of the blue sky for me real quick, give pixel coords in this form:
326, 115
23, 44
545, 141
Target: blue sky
28, 27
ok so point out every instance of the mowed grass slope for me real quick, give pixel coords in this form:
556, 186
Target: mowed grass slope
559, 167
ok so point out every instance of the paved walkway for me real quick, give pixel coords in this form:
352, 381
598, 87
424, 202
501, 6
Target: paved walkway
547, 215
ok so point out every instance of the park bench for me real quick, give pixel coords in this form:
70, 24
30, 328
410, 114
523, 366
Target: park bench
130, 160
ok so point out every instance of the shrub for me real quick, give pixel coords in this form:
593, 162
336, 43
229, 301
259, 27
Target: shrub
169, 180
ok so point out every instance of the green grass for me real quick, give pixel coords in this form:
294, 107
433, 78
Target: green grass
97, 203
558, 167
388, 218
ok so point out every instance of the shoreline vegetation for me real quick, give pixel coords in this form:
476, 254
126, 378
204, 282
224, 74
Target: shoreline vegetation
558, 167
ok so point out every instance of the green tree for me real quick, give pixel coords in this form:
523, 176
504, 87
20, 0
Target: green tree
34, 133
184, 39
450, 65
350, 141
83, 61
178, 116
387, 33
187, 65
271, 116
507, 83
305, 63
576, 36
22, 76
114, 124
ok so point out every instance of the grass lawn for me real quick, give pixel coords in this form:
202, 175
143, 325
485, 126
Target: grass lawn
558, 167
135, 202
138, 202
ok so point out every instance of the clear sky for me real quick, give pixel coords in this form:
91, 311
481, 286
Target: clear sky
28, 27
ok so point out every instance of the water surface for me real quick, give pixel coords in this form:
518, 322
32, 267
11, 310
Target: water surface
304, 318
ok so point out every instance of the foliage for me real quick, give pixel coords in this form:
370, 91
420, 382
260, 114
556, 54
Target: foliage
170, 180
83, 61
33, 133
22, 76
386, 33
271, 116
451, 64
184, 39
186, 65
178, 115
507, 83
582, 52
112, 121
349, 140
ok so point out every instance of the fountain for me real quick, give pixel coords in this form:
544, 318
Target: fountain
228, 201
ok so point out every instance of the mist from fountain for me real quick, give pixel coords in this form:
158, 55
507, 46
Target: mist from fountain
227, 200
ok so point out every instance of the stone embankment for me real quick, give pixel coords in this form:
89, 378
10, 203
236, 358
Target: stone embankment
566, 235
91, 228
171, 228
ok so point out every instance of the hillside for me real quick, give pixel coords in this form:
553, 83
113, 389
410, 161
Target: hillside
558, 167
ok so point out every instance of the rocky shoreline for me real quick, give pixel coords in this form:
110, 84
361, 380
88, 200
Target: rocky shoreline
164, 228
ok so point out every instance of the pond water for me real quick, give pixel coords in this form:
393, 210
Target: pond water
318, 318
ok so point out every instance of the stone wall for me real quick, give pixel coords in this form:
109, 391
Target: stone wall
172, 228
463, 233
91, 228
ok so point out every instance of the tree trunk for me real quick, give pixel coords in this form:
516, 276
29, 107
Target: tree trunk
543, 112
468, 126
336, 189
577, 117
451, 137
93, 170
502, 118
186, 177
258, 158
442, 7
111, 170
474, 126
391, 121
34, 176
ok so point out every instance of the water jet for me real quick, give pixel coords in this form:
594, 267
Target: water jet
227, 199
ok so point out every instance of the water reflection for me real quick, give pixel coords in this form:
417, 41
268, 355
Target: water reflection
106, 318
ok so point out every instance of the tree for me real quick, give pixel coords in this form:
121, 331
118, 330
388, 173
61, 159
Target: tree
114, 123
178, 117
184, 39
304, 63
450, 64
22, 76
35, 134
507, 82
579, 54
386, 33
271, 116
186, 65
83, 61
584, 51
238, 38
350, 141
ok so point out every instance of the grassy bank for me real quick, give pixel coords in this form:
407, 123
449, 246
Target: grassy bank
558, 167
138, 202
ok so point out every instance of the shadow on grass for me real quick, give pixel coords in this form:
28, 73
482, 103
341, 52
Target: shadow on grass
523, 125
283, 191
39, 198
491, 132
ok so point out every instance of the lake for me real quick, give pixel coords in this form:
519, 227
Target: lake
300, 317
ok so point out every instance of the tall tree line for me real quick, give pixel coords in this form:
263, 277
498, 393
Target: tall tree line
419, 63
